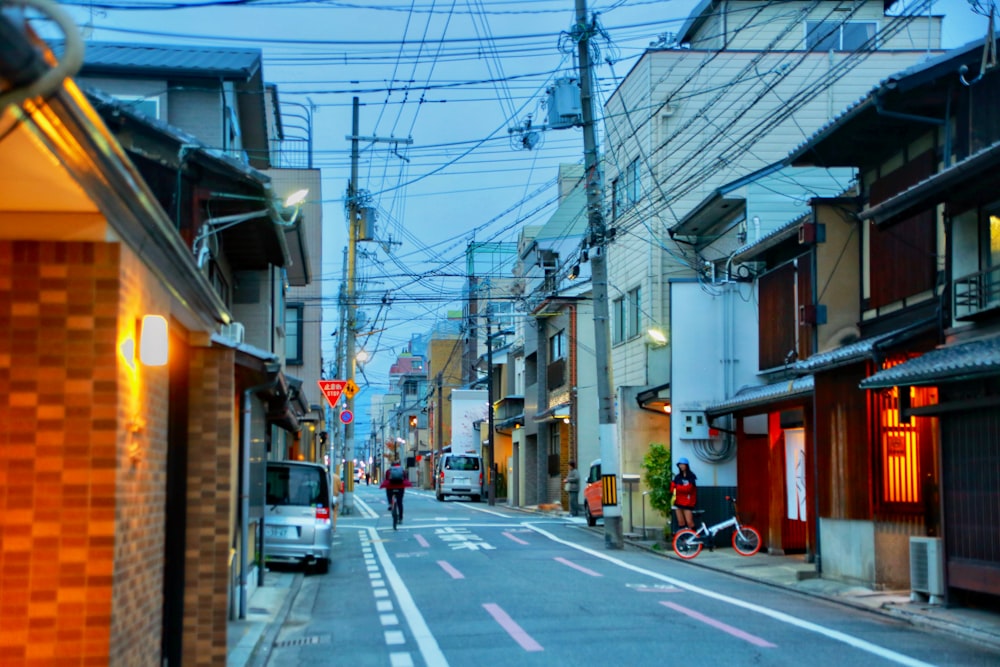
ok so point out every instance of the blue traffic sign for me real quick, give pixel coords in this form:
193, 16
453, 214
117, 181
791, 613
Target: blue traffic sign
346, 416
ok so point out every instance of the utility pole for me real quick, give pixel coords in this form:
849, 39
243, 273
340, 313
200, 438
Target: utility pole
353, 211
607, 427
354, 221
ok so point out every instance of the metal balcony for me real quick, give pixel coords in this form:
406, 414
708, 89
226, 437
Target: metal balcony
977, 294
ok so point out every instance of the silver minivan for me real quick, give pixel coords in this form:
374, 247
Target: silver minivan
297, 514
460, 474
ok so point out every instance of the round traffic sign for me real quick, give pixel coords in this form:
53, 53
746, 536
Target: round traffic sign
346, 416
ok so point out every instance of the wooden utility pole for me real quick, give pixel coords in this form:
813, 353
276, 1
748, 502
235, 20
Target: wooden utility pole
354, 211
597, 232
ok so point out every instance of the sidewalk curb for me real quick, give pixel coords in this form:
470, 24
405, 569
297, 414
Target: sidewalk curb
262, 650
887, 609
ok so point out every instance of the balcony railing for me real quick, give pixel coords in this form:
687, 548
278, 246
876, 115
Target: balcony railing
977, 293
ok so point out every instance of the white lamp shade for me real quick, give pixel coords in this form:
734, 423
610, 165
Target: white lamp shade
153, 345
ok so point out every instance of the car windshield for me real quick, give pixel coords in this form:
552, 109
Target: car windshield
463, 463
295, 485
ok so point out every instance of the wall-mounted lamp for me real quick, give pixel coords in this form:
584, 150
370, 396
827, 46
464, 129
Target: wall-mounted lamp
284, 215
296, 198
657, 337
667, 409
153, 341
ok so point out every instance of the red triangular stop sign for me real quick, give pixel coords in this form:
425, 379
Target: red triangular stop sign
332, 389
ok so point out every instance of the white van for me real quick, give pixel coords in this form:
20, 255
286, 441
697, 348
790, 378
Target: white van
460, 474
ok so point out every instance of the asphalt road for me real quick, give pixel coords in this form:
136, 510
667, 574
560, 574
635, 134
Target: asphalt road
463, 583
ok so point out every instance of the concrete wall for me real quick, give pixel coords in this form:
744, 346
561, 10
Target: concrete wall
848, 550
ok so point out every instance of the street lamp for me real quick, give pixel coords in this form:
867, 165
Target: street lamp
491, 492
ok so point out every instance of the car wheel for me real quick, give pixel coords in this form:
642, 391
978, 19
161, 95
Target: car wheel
591, 520
439, 497
475, 499
322, 566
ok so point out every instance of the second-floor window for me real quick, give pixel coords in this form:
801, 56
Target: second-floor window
557, 346
634, 312
840, 35
293, 334
633, 183
618, 334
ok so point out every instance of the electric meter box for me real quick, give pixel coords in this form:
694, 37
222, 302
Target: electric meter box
694, 425
564, 104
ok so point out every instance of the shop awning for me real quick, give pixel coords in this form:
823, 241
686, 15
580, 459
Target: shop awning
752, 397
952, 363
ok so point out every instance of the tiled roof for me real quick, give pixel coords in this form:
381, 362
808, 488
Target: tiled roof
200, 61
863, 349
977, 358
750, 397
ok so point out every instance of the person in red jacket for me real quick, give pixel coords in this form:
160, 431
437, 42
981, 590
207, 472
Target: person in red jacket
395, 482
685, 489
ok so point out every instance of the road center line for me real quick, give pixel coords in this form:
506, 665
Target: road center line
426, 642
447, 567
509, 536
782, 617
578, 567
516, 632
736, 632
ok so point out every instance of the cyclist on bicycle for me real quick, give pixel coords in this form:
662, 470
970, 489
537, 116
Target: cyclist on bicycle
395, 483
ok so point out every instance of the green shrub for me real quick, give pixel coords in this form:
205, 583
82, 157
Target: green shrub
658, 474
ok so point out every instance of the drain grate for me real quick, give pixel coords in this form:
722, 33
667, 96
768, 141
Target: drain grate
303, 641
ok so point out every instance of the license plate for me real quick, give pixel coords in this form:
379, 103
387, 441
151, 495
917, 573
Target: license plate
281, 532
461, 480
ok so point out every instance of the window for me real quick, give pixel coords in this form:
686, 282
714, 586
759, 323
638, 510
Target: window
626, 190
633, 183
147, 106
840, 36
618, 335
905, 454
293, 334
617, 198
634, 312
557, 346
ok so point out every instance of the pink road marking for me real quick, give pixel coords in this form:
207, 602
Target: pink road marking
578, 567
420, 539
447, 567
510, 536
512, 628
736, 632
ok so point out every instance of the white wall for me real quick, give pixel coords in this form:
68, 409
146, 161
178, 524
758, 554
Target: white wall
708, 362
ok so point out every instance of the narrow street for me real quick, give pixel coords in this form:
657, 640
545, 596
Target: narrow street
465, 584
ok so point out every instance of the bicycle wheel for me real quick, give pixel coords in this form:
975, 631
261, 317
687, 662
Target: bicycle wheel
686, 544
746, 541
395, 513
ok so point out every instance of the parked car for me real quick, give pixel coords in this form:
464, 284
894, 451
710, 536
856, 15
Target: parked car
593, 505
460, 474
297, 516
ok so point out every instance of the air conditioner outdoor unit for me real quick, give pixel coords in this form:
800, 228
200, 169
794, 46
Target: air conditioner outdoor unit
927, 569
234, 331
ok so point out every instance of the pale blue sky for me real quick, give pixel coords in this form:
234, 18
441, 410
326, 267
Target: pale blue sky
462, 178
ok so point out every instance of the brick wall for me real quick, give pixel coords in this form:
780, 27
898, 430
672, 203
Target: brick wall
83, 433
210, 494
58, 451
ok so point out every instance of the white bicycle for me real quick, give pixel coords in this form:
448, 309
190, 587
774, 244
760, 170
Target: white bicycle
689, 543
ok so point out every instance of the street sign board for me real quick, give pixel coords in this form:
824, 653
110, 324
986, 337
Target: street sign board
351, 389
332, 389
346, 416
